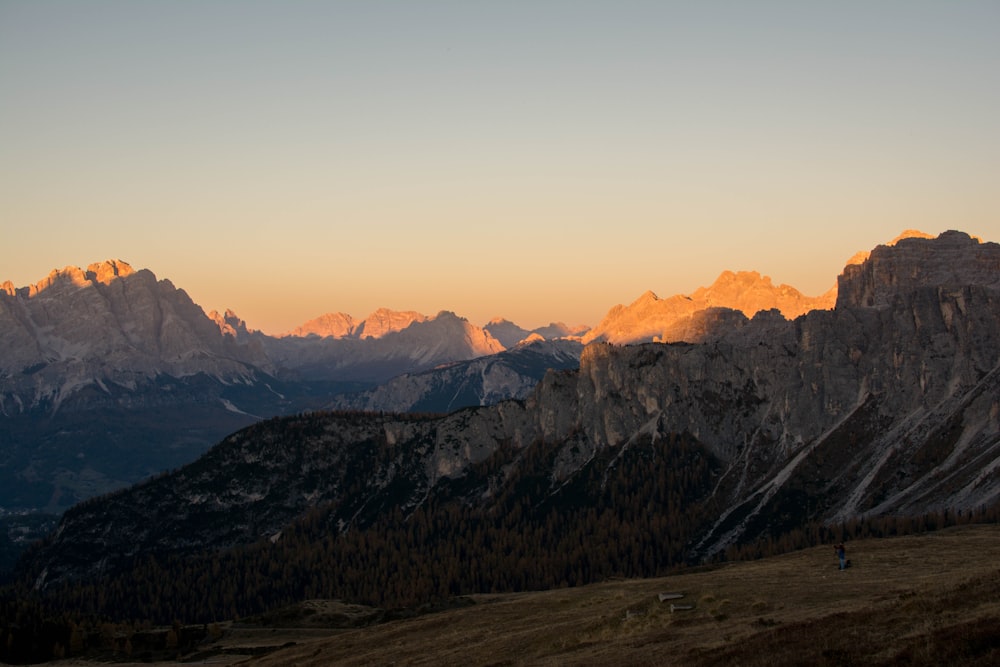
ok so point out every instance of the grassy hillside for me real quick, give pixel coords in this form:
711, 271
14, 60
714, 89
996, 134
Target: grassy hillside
929, 599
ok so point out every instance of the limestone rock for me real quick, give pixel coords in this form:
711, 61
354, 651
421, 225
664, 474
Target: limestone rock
485, 380
510, 334
650, 318
337, 325
384, 321
953, 259
887, 404
107, 324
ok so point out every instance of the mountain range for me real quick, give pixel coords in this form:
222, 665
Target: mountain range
109, 375
885, 405
686, 317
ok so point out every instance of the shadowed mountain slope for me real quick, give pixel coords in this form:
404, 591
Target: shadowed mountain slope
885, 405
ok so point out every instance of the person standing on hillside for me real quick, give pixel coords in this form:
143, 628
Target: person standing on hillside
841, 555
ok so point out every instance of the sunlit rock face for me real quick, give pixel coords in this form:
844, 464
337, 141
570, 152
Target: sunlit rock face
385, 321
688, 318
230, 324
341, 325
862, 255
505, 331
108, 375
110, 325
106, 325
679, 317
887, 404
337, 325
418, 346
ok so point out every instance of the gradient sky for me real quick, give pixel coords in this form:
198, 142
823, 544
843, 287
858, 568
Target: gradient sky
541, 161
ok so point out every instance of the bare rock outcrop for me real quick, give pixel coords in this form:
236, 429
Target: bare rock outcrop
422, 344
652, 319
953, 259
887, 404
337, 325
107, 324
485, 380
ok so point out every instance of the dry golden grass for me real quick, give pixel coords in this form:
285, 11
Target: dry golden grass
932, 599
908, 600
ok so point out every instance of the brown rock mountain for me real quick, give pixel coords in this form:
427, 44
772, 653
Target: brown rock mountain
337, 325
651, 319
886, 405
341, 325
687, 318
108, 375
952, 261
108, 324
109, 354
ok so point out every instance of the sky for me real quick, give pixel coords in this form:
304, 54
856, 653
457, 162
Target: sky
540, 161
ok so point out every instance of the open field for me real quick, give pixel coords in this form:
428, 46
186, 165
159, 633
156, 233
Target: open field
919, 600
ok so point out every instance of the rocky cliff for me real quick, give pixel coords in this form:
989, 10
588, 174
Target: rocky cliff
341, 325
107, 325
510, 334
887, 403
956, 259
382, 349
481, 381
693, 318
652, 319
108, 376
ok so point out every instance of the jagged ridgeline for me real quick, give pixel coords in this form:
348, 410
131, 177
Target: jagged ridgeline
390, 538
649, 455
109, 375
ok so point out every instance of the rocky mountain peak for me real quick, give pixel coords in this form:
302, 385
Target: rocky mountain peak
336, 325
511, 335
441, 328
647, 297
854, 411
842, 413
910, 234
862, 256
687, 317
341, 325
505, 331
384, 321
103, 326
750, 292
562, 330
230, 324
106, 271
953, 258
72, 277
